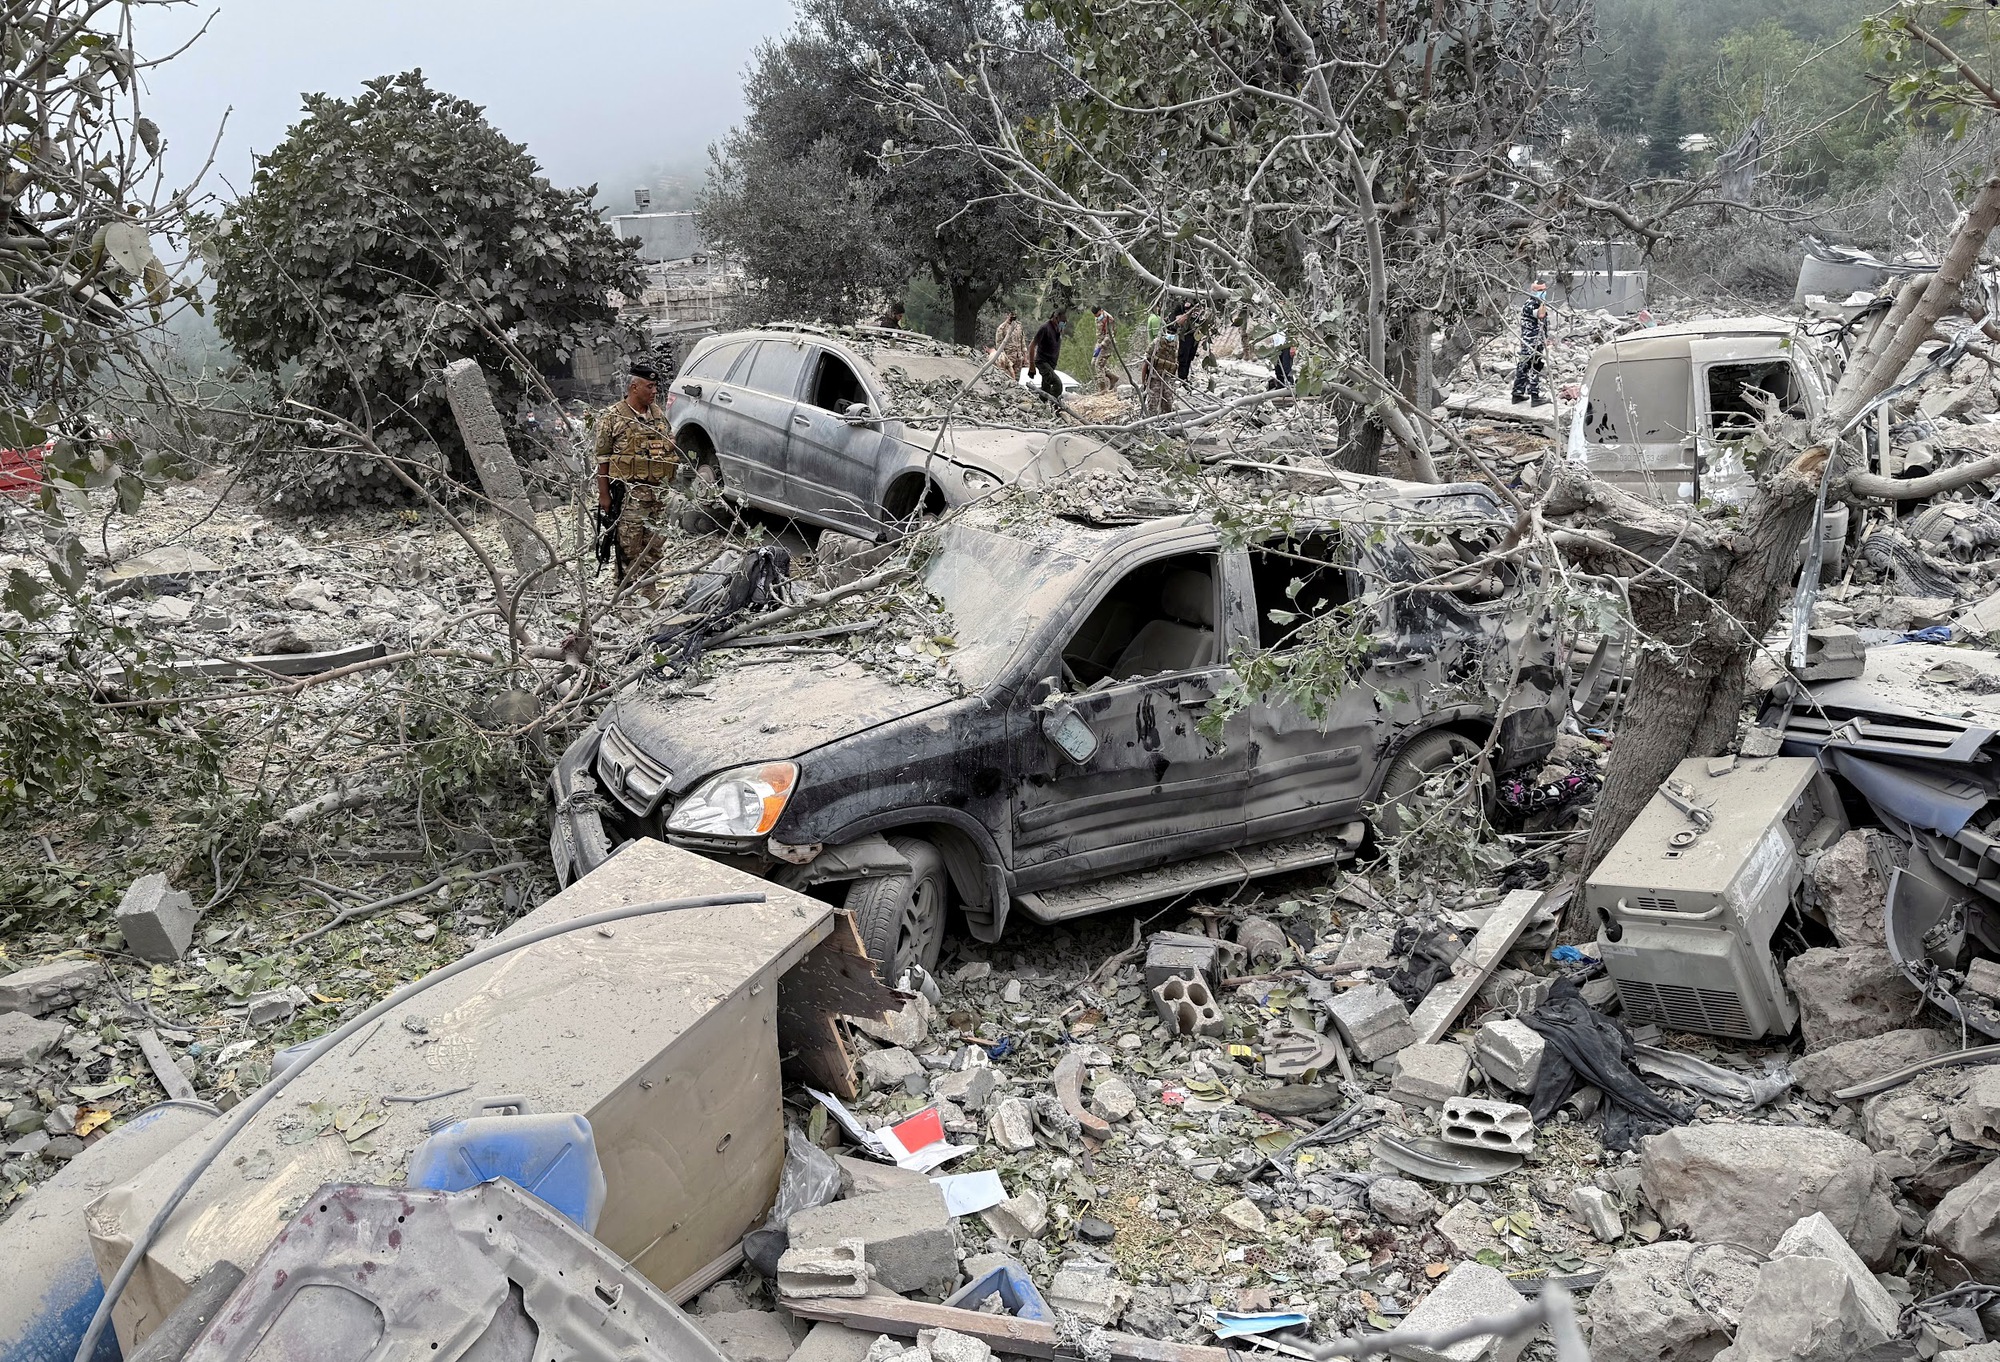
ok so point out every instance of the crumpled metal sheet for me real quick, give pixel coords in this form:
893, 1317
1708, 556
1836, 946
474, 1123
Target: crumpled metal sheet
490, 1273
1711, 1080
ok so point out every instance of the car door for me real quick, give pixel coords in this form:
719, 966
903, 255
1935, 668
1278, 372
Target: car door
766, 399
1315, 758
833, 462
1141, 662
1638, 427
1730, 391
722, 377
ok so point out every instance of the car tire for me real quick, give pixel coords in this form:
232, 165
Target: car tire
901, 917
1415, 764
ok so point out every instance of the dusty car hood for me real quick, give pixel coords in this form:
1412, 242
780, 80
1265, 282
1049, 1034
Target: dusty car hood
761, 713
1030, 458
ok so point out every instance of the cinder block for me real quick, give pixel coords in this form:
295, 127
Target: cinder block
158, 921
1373, 1021
1429, 1074
906, 1235
1183, 953
1510, 1053
806, 1274
41, 989
1186, 1005
1486, 1124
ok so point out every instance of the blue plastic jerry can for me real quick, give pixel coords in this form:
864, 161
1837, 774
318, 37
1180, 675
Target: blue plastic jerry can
552, 1155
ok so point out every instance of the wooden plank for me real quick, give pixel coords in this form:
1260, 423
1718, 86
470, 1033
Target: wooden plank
722, 1266
1440, 1008
161, 1060
1003, 1333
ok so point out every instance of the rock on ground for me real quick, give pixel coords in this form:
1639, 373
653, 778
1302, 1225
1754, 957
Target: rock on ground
1804, 1310
1402, 1202
1841, 1065
748, 1335
1748, 1184
1966, 1224
42, 989
1848, 993
1850, 892
1642, 1310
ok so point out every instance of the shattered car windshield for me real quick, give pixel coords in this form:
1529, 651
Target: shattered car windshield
992, 584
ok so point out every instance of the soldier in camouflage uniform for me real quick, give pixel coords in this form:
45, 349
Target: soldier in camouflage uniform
635, 447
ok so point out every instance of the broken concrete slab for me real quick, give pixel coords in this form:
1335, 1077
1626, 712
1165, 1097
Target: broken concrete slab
906, 1235
829, 1342
1849, 891
1848, 993
1025, 1215
1815, 1237
1469, 1291
25, 1039
1435, 1015
1402, 1202
1095, 1295
1373, 1021
1184, 954
864, 1177
1965, 1226
1748, 1184
907, 1026
1826, 1071
1426, 1075
748, 1335
1598, 1210
1011, 1124
1805, 1309
1246, 1215
1361, 950
1669, 1302
971, 1088
1510, 1053
1112, 1099
157, 919
891, 1068
41, 989
1468, 1227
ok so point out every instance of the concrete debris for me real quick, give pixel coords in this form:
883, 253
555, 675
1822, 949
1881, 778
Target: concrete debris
1824, 1072
906, 1027
274, 1007
1402, 1202
1113, 1099
25, 1039
1966, 1225
946, 1345
1748, 1184
970, 1088
1187, 1005
1429, 1075
864, 1177
1814, 1302
1184, 954
905, 1235
1849, 889
1598, 1210
1469, 1291
1025, 1215
1011, 1124
1361, 950
1669, 1302
817, 1274
157, 919
1373, 1021
1245, 1216
1082, 1289
748, 1336
1509, 1053
1848, 993
1485, 1124
829, 1342
891, 1068
42, 989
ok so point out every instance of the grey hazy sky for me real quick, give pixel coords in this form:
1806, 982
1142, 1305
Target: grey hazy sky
599, 91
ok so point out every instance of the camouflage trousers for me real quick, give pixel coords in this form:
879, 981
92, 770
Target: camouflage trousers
640, 540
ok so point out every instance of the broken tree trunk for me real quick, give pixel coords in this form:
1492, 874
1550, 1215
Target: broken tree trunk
499, 476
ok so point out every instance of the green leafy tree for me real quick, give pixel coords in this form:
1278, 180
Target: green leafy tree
390, 234
931, 211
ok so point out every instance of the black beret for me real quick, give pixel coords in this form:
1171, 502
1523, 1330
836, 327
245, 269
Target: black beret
644, 370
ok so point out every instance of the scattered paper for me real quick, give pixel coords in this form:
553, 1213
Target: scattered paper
966, 1193
925, 1131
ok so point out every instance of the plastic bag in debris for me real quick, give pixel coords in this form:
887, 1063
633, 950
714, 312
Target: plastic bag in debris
811, 1178
1585, 1046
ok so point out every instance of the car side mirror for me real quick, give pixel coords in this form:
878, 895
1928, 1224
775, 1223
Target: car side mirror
1064, 727
860, 413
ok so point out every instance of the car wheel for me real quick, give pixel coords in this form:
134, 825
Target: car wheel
706, 486
1404, 786
901, 917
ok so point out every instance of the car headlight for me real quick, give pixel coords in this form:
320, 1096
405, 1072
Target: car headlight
979, 483
744, 802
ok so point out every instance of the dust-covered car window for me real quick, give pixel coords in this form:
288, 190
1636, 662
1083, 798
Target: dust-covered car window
997, 589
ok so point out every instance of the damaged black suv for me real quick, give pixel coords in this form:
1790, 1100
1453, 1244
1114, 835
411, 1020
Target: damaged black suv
1056, 767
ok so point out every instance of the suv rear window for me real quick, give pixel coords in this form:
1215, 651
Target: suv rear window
777, 368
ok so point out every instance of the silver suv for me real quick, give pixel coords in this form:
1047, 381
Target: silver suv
802, 423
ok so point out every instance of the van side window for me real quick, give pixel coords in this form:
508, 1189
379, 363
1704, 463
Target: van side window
1638, 401
1159, 618
1737, 394
1296, 581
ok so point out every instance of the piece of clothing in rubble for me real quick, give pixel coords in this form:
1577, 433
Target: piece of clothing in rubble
1426, 961
1587, 1047
1534, 340
731, 587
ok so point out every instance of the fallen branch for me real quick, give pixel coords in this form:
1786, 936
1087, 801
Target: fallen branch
345, 797
361, 910
758, 623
